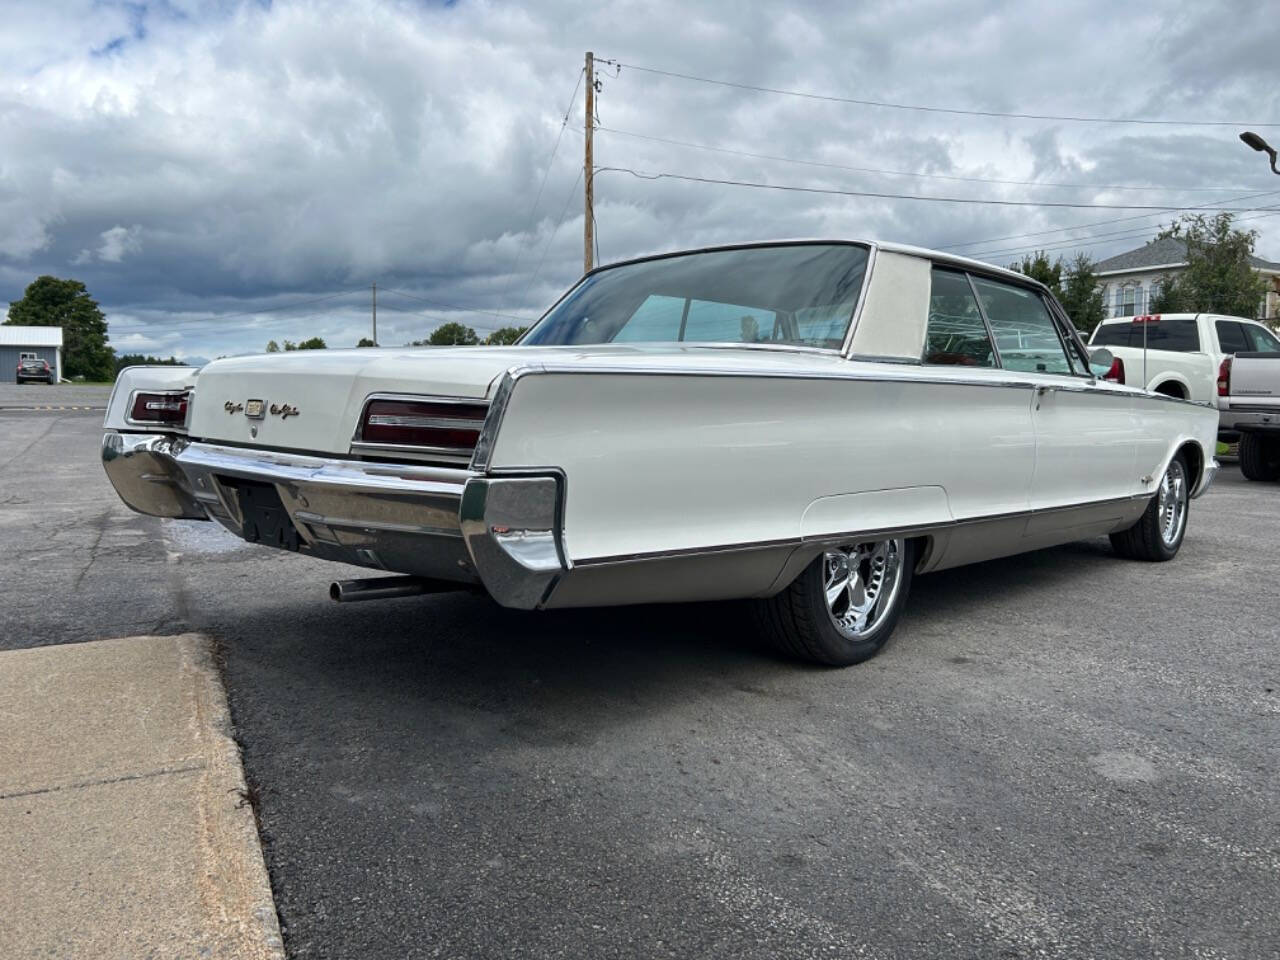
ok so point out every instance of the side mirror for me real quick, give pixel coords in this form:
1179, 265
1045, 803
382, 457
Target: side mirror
1100, 361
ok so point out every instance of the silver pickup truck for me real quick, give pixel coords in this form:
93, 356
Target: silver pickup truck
1249, 402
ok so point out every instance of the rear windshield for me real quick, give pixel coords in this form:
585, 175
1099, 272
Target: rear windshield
1179, 335
798, 294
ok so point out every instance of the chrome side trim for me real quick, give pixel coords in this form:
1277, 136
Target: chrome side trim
1207, 476
481, 458
868, 533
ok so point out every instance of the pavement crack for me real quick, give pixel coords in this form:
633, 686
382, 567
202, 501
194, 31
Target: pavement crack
103, 781
23, 452
93, 548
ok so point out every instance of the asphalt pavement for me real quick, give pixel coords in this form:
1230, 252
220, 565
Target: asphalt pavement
1059, 755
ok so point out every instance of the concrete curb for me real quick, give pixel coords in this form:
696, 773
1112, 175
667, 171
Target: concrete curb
237, 874
124, 826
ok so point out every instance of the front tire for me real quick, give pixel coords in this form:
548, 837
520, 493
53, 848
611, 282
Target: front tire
1158, 533
843, 607
1259, 459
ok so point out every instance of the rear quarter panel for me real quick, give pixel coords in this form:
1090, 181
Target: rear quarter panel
658, 463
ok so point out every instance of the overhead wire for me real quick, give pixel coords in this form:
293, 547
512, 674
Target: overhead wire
1102, 223
542, 186
902, 173
541, 260
873, 194
927, 108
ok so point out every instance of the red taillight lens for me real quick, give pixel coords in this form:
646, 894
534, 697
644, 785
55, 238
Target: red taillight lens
159, 408
1224, 378
423, 423
1116, 373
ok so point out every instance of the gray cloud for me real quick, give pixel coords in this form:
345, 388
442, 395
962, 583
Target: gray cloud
202, 160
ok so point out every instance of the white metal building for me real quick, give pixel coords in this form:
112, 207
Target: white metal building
19, 343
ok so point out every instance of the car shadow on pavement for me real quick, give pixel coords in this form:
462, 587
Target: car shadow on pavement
587, 667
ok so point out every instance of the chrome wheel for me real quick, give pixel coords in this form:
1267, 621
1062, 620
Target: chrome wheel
1171, 503
860, 583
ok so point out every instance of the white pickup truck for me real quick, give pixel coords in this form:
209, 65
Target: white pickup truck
1186, 355
1251, 407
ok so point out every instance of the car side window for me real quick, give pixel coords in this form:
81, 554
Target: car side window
1025, 334
1230, 336
1260, 339
956, 335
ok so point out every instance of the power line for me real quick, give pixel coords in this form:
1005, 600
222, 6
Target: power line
1095, 223
563, 210
1091, 241
922, 108
542, 186
792, 188
902, 173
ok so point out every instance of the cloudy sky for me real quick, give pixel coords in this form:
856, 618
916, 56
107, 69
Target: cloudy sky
211, 170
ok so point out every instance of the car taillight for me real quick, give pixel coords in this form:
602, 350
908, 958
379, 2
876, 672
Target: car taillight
1116, 373
1224, 377
450, 427
168, 408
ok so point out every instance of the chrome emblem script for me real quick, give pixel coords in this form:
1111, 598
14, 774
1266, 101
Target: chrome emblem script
283, 410
254, 409
232, 407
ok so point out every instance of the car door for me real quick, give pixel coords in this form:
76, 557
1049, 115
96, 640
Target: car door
1086, 430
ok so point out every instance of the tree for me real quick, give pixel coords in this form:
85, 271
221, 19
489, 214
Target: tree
290, 345
1219, 276
453, 334
1039, 268
52, 302
315, 343
366, 342
1080, 294
505, 335
1075, 286
141, 360
273, 347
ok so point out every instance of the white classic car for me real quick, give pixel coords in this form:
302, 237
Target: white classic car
805, 424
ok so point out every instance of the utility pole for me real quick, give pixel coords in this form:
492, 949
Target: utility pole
375, 313
588, 168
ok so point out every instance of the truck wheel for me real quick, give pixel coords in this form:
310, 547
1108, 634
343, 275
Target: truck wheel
843, 606
1258, 460
1159, 531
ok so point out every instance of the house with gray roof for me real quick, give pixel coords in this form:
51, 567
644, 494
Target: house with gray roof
1130, 280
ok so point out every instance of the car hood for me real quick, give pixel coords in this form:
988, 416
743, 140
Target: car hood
328, 388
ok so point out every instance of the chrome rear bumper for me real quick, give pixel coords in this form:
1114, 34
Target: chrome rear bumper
437, 522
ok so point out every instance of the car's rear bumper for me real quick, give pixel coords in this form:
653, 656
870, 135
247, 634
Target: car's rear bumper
442, 523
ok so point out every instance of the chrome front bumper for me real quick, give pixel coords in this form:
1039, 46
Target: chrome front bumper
450, 524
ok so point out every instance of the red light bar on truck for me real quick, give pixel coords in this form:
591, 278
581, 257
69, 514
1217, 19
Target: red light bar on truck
170, 408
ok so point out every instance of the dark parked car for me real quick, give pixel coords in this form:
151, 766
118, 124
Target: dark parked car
34, 370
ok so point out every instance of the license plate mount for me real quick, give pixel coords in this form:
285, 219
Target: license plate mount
265, 519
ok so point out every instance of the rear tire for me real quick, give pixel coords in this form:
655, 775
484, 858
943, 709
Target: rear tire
1158, 533
843, 607
1258, 457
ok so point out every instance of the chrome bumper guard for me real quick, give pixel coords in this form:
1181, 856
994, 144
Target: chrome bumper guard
437, 522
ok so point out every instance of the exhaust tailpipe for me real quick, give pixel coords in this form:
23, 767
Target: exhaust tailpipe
384, 588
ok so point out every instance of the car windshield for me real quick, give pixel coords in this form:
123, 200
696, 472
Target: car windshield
796, 294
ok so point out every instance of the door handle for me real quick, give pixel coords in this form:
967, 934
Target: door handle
1043, 391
